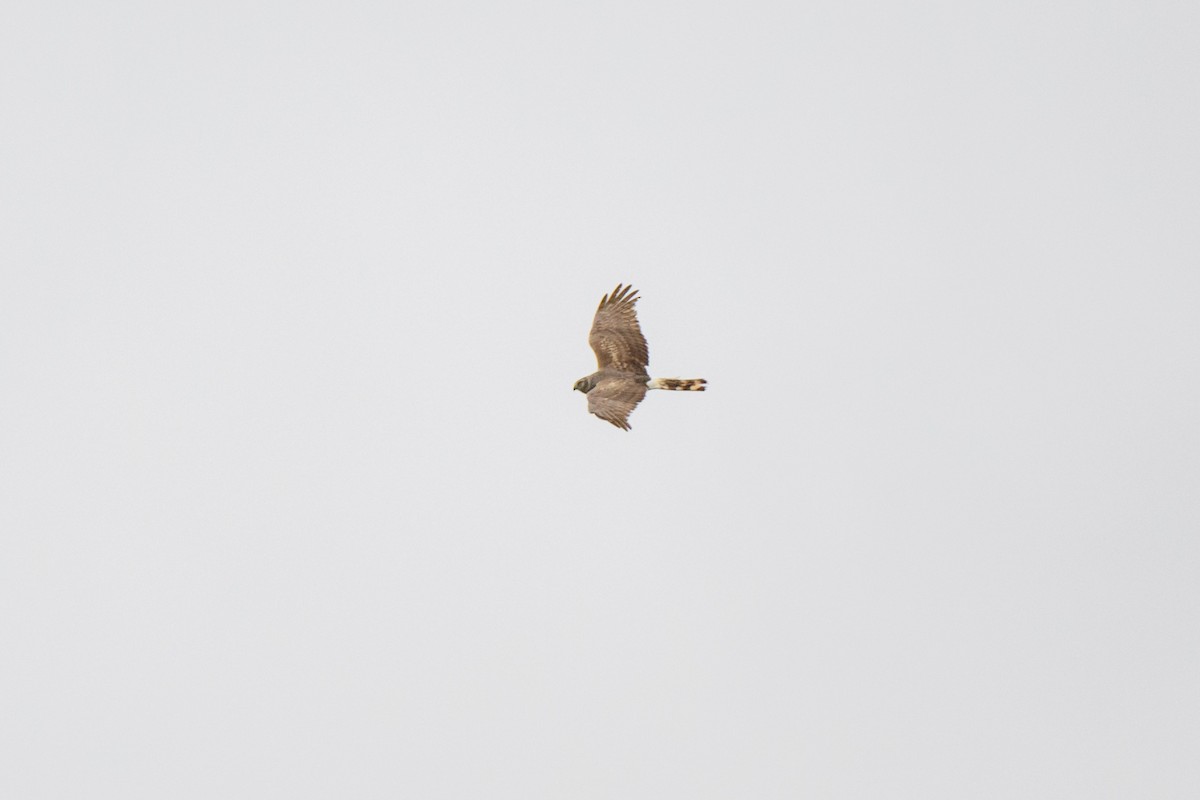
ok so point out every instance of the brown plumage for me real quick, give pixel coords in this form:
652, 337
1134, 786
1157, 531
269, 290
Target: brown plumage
616, 336
621, 381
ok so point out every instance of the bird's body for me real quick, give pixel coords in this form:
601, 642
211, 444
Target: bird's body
621, 381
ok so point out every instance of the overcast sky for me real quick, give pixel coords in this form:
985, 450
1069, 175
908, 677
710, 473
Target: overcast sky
297, 500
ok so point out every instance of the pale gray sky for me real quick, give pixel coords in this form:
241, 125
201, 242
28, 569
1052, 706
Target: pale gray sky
298, 501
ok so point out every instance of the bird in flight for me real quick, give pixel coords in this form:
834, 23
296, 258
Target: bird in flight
615, 389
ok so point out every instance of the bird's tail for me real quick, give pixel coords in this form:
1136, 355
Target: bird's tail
677, 384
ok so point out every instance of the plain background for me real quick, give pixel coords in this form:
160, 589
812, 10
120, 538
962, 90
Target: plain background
297, 500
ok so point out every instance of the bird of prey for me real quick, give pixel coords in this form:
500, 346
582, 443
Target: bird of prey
614, 390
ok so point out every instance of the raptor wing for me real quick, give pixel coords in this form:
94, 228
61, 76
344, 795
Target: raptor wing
613, 399
616, 337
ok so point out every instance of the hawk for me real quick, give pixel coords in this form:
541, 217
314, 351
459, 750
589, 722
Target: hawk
614, 390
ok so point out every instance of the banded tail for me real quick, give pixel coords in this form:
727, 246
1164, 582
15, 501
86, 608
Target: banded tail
677, 384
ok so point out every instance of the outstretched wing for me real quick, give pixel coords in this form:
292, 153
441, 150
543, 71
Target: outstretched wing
616, 338
613, 399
